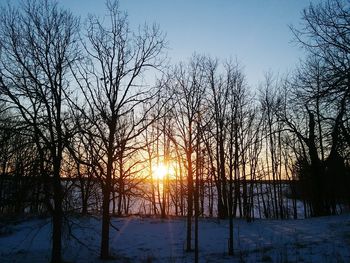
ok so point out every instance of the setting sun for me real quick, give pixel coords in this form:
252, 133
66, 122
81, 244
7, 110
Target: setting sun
160, 171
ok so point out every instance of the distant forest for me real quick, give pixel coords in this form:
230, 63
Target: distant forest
83, 131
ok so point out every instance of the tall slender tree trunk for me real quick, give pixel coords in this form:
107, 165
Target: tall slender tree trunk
189, 201
196, 232
57, 222
105, 221
222, 175
196, 204
104, 253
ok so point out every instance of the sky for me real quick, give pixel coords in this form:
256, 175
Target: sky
255, 32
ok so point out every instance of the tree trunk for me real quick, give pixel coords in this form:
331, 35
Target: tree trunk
189, 202
57, 223
104, 253
57, 214
105, 222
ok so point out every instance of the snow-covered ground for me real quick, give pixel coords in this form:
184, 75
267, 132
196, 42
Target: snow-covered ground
325, 239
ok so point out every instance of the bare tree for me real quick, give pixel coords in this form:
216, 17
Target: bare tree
112, 84
187, 101
237, 116
38, 46
231, 115
323, 85
219, 95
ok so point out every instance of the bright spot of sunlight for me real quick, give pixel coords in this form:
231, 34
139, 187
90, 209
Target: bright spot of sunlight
161, 170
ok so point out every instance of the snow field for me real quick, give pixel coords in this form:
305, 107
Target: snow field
138, 239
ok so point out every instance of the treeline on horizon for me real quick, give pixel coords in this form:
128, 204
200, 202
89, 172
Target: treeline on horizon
74, 103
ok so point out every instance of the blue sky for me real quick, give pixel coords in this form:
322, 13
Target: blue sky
253, 31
